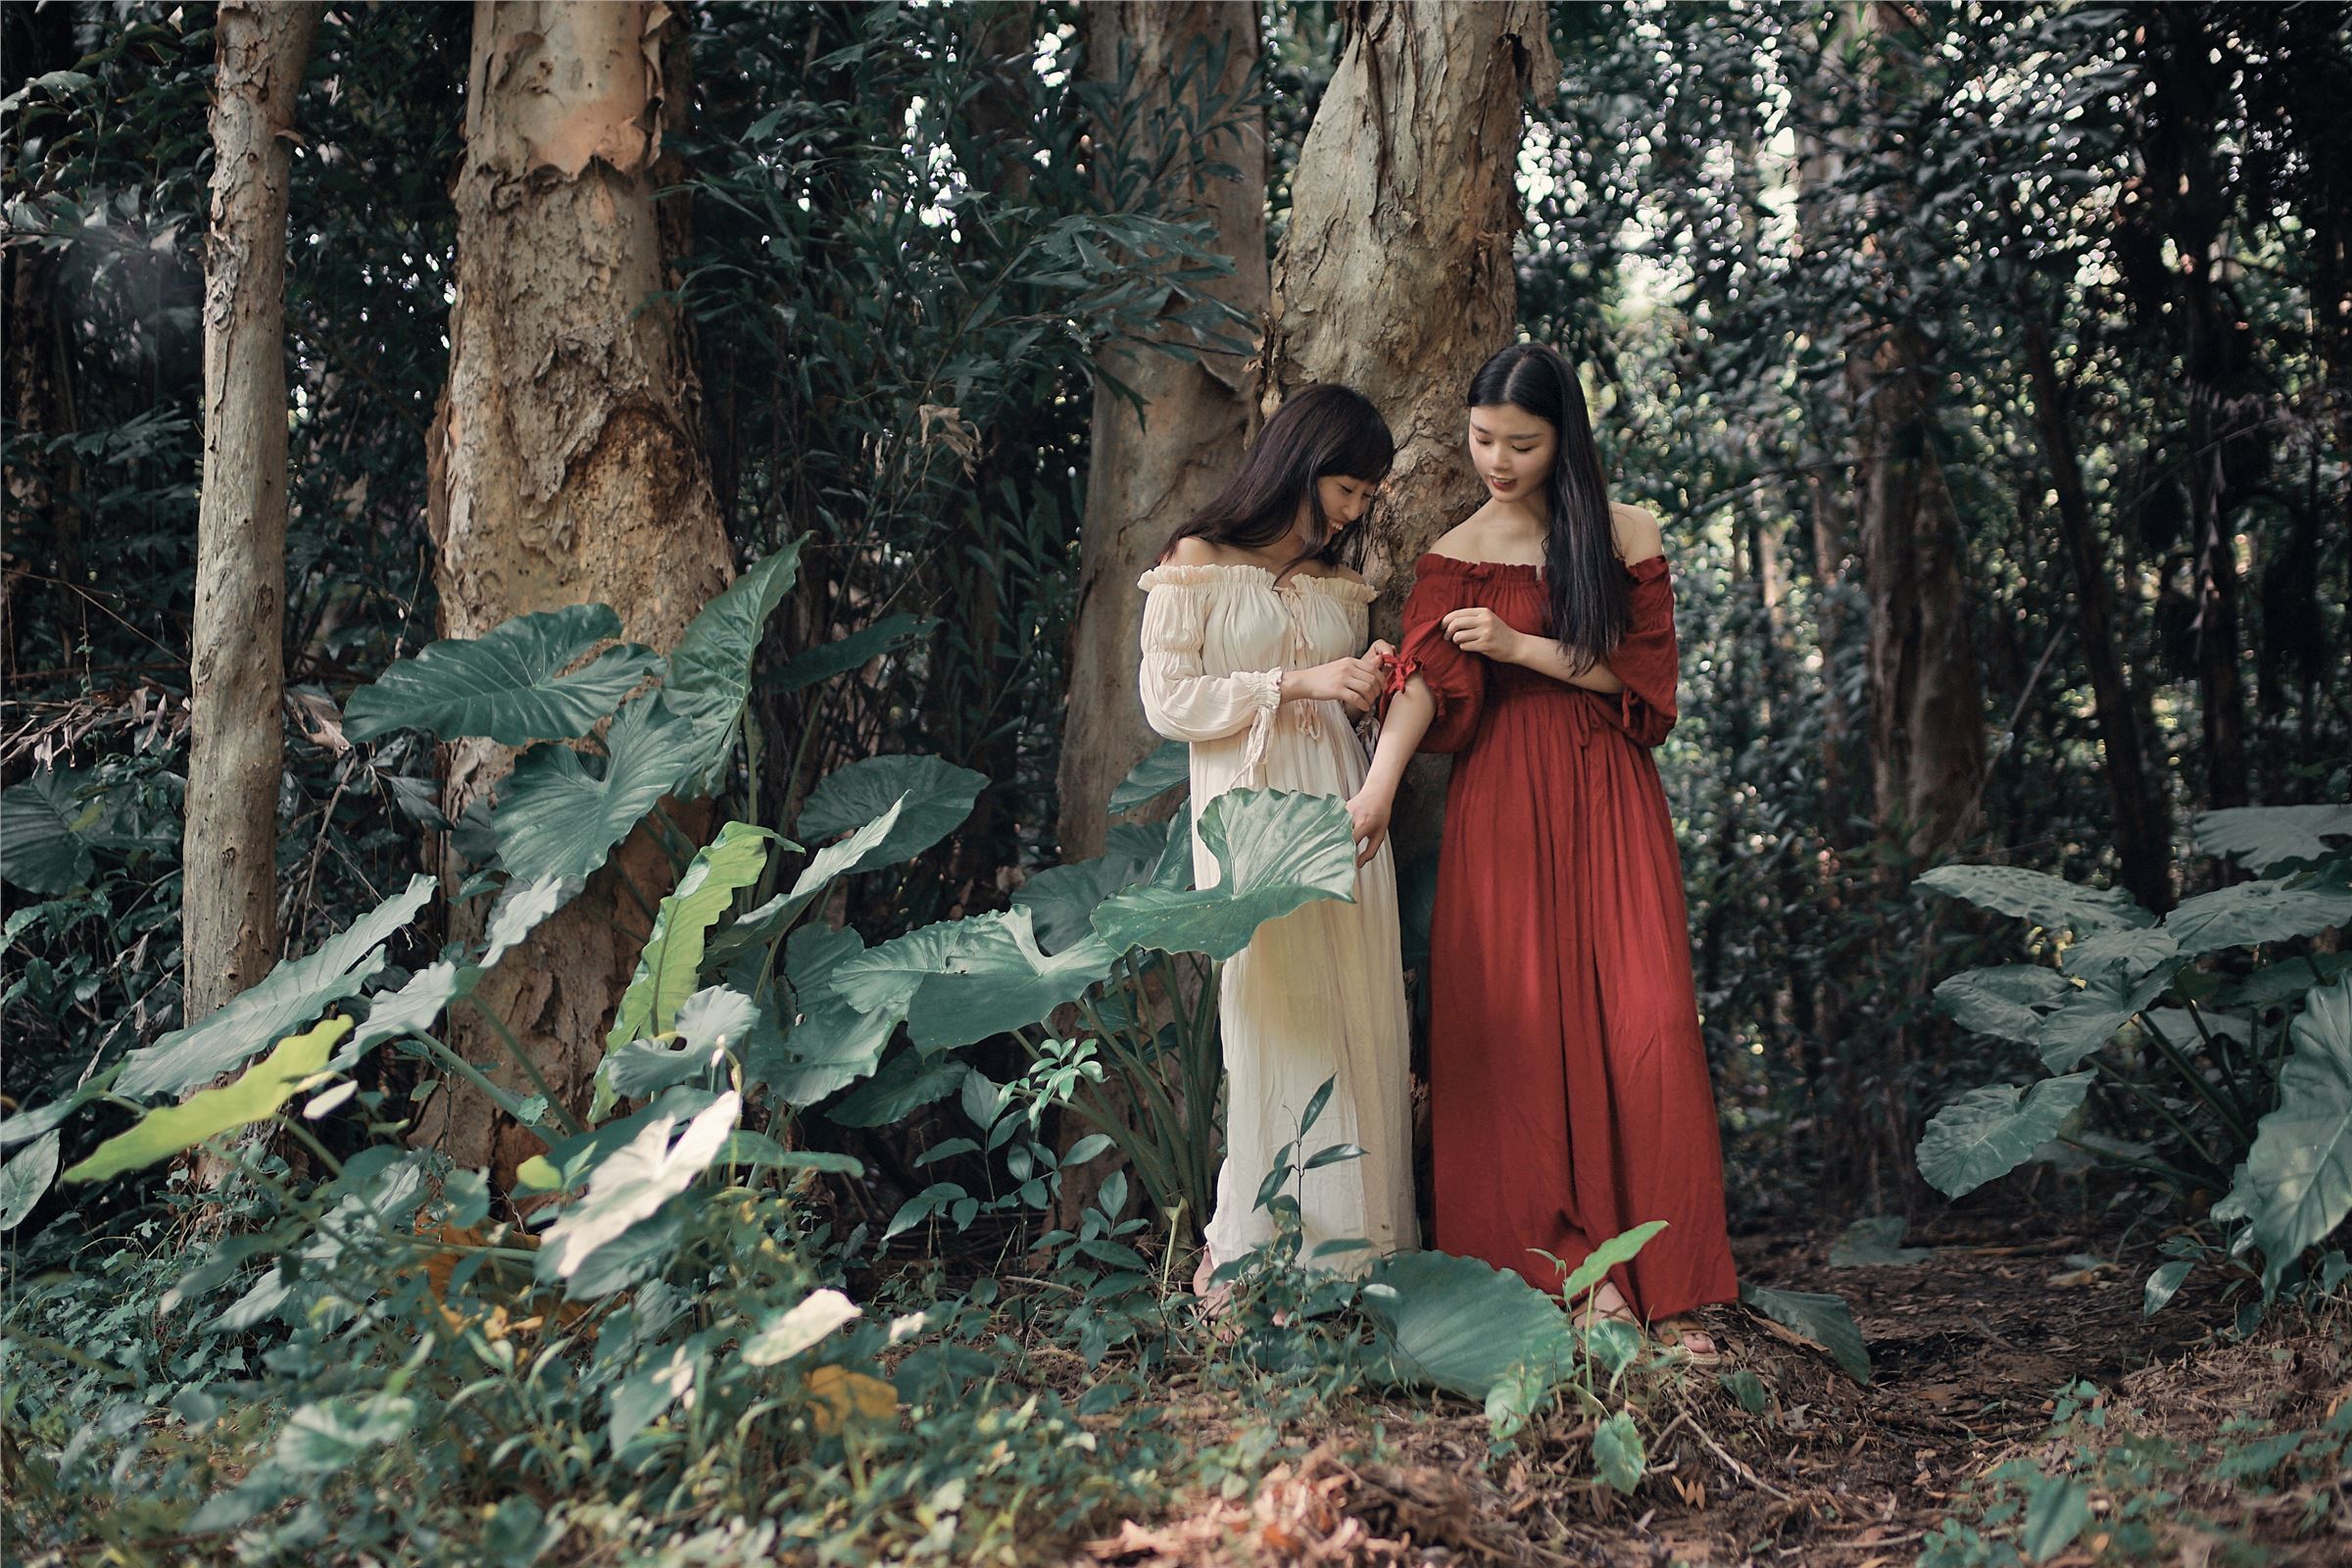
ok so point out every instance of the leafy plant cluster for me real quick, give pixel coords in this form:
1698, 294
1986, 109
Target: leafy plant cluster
651, 1338
2208, 1053
2120, 1493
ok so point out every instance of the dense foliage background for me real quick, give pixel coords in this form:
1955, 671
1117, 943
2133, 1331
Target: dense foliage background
2110, 244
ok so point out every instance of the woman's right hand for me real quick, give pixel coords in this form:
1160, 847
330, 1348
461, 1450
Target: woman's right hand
1353, 683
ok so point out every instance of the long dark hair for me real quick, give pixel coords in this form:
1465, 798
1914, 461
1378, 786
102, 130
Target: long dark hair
1592, 605
1322, 432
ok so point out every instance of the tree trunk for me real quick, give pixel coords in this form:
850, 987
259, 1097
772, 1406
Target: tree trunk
564, 465
1925, 706
1150, 471
228, 910
2144, 827
1396, 274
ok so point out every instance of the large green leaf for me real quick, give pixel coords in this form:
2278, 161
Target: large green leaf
844, 654
328, 1436
710, 670
2255, 911
906, 1083
410, 1010
936, 796
1876, 1242
2119, 955
669, 966
2299, 1172
1817, 1317
1275, 849
2007, 1003
520, 909
2262, 837
1061, 900
886, 978
2088, 1019
781, 1336
264, 1087
507, 685
2286, 980
26, 1177
1157, 775
760, 926
2057, 1507
831, 1044
42, 826
996, 980
2046, 901
635, 1179
1461, 1325
1988, 1133
557, 818
289, 997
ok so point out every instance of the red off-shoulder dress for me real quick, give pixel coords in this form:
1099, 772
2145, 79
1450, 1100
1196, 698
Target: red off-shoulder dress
1569, 1099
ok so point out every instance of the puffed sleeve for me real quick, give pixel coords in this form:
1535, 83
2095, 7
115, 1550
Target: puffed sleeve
1182, 701
1648, 660
1456, 680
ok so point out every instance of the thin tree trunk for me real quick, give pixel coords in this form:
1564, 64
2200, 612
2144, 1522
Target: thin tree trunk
2144, 825
1926, 704
564, 465
228, 910
1396, 274
1150, 471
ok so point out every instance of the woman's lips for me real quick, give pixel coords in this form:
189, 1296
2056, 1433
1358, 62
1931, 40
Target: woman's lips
1497, 484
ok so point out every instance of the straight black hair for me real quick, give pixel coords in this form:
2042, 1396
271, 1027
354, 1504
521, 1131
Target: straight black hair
1316, 433
1591, 599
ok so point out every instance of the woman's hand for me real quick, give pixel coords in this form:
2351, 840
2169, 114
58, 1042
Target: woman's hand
1368, 809
1353, 683
1481, 631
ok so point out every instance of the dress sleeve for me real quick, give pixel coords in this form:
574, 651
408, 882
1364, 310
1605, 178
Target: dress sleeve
1182, 701
1456, 680
1648, 660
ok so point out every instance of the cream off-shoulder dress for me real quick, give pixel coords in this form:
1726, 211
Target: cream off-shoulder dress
1319, 993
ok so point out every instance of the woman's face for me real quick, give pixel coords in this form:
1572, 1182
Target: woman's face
1343, 500
1511, 450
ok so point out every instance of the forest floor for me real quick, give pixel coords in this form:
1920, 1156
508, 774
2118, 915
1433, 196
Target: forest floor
2188, 1445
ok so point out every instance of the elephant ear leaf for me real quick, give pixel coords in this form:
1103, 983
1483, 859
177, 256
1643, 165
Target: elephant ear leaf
555, 818
1157, 775
2264, 837
265, 1086
710, 670
1275, 849
292, 994
1461, 1325
2046, 901
2299, 1176
1988, 1133
509, 684
43, 842
935, 797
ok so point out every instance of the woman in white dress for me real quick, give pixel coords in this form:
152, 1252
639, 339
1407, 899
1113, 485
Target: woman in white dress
1253, 653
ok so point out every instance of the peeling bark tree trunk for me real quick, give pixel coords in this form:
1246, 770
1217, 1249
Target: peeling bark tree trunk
1395, 277
228, 912
1148, 474
565, 465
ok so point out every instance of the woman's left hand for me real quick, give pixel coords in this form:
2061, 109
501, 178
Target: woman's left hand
1481, 631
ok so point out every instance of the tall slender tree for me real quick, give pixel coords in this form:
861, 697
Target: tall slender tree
565, 462
1150, 468
236, 662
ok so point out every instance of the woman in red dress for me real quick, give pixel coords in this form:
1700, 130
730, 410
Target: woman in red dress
1569, 1099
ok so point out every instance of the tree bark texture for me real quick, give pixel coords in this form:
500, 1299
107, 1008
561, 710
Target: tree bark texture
228, 911
1925, 701
1148, 471
1396, 275
564, 466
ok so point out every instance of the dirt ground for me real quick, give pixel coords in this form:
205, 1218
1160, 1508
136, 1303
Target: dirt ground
1969, 1347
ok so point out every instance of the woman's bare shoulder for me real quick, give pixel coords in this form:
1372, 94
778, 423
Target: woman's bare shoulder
1195, 550
1638, 534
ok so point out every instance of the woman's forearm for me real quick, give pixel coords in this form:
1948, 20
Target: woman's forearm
1545, 656
1410, 713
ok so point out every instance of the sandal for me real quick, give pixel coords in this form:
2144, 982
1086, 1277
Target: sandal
1674, 1336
